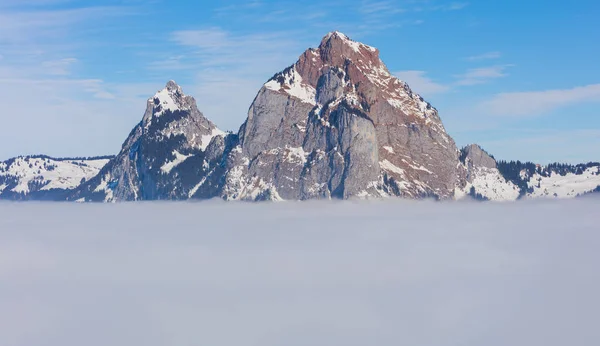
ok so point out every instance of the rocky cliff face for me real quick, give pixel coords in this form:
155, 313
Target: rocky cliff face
163, 156
338, 124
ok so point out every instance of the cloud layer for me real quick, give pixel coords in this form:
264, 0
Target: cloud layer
537, 102
384, 273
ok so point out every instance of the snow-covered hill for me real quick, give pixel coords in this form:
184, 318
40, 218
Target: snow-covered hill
487, 179
564, 186
43, 177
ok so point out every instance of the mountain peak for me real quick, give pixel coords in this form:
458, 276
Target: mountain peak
171, 98
474, 154
337, 40
336, 34
172, 86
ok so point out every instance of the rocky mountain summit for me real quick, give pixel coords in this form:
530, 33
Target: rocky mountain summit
338, 124
335, 124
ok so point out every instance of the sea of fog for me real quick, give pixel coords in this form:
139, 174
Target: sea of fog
300, 274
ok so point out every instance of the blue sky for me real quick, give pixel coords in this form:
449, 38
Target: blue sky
521, 78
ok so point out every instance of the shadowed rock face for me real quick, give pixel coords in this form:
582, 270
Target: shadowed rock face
338, 124
162, 158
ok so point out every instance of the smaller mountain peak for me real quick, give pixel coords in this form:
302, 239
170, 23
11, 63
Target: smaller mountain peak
170, 98
478, 156
172, 86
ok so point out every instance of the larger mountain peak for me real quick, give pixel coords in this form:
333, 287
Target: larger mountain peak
356, 129
337, 39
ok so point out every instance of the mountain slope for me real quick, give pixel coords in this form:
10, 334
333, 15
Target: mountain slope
163, 156
338, 124
45, 178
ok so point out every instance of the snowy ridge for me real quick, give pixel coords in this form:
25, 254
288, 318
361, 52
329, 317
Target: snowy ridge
508, 181
24, 175
564, 186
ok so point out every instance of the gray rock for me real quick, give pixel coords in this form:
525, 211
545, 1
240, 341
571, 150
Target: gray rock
338, 124
474, 155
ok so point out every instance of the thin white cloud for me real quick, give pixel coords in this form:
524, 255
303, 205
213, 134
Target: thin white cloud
423, 6
455, 6
59, 67
537, 102
420, 83
546, 145
19, 26
48, 106
386, 8
485, 56
482, 75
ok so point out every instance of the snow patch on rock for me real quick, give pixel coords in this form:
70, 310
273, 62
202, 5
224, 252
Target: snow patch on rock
291, 83
179, 158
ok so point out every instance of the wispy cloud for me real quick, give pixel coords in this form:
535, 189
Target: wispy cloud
19, 26
484, 56
455, 6
378, 8
537, 102
482, 75
427, 86
426, 5
388, 14
40, 81
61, 67
547, 145
420, 83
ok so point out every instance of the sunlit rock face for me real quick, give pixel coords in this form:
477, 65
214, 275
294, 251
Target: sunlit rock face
338, 124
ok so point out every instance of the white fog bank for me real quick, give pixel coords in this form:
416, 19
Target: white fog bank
300, 274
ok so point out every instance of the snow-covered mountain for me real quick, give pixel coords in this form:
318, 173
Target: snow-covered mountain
335, 124
45, 178
162, 158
